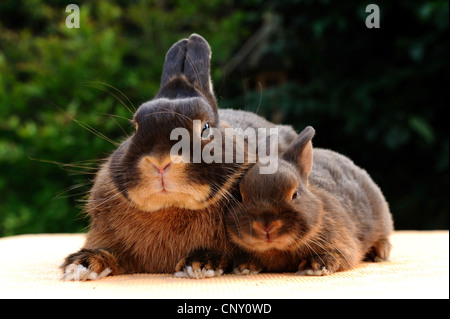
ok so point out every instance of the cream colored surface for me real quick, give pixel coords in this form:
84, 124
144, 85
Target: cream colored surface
419, 268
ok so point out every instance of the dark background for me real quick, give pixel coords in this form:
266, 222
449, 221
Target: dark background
378, 96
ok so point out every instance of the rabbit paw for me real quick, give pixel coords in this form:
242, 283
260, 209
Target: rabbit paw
379, 251
74, 272
315, 266
246, 270
245, 264
200, 264
89, 264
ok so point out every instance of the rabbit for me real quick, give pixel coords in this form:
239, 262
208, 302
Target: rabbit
150, 213
317, 215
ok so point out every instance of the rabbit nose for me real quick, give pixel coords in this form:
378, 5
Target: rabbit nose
266, 228
160, 166
269, 228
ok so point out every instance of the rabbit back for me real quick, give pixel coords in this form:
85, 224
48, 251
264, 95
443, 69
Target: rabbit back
356, 192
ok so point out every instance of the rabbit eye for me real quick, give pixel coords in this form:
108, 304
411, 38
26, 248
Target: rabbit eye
295, 195
205, 129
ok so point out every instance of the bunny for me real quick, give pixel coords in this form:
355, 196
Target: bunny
318, 214
150, 213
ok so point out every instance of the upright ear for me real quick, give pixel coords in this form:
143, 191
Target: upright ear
197, 64
300, 152
174, 63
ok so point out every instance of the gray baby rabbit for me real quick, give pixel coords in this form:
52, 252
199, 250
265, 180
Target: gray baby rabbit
318, 214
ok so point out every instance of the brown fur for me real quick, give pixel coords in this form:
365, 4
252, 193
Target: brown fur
319, 213
142, 241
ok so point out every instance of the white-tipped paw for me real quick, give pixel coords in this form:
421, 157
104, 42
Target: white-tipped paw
313, 272
243, 272
76, 272
198, 273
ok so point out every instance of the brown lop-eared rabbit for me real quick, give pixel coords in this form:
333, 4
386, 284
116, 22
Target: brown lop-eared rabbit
318, 214
150, 214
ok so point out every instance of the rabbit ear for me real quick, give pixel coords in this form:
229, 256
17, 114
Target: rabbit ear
300, 152
174, 63
197, 64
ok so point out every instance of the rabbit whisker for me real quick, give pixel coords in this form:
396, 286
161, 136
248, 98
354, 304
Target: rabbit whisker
100, 86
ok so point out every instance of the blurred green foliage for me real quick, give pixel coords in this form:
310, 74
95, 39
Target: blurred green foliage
66, 95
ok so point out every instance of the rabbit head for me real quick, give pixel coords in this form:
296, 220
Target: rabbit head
144, 168
278, 210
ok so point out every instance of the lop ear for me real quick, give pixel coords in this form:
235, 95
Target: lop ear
300, 152
174, 63
197, 64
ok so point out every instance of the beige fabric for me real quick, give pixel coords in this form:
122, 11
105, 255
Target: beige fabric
419, 268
